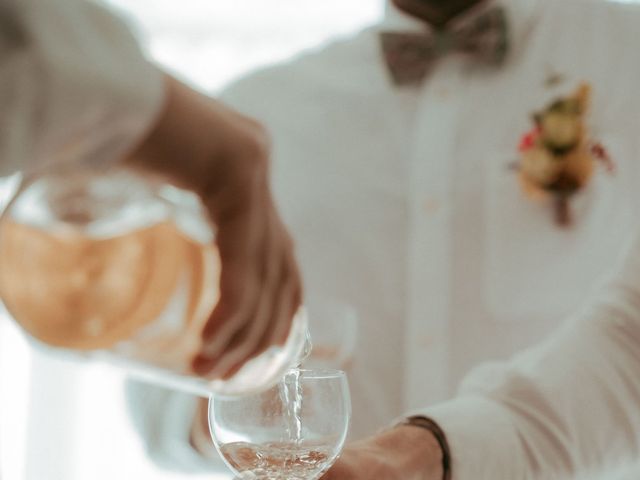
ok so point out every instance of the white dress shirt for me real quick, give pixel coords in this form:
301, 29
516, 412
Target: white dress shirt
74, 86
402, 202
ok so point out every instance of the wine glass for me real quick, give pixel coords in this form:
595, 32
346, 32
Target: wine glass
293, 431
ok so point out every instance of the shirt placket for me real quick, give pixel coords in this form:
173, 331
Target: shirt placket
427, 341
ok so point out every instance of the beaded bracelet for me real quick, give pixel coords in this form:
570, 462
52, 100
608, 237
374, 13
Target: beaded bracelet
441, 438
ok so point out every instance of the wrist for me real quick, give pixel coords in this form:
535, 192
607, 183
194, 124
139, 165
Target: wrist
175, 147
417, 449
429, 425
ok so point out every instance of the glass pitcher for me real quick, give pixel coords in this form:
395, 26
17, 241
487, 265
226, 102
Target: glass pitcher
112, 265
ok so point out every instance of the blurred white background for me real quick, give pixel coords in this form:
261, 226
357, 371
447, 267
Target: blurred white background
211, 42
63, 421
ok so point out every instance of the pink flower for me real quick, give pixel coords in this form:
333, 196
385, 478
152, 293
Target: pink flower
529, 139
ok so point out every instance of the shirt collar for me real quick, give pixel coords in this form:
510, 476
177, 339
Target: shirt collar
521, 15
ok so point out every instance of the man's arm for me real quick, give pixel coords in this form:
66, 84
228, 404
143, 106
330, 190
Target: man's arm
565, 406
74, 85
75, 88
200, 144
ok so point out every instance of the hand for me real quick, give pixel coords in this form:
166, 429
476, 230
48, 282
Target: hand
223, 156
402, 453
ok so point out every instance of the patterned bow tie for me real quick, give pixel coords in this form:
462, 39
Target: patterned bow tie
410, 56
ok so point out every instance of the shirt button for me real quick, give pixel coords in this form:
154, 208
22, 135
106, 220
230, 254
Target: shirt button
431, 206
443, 92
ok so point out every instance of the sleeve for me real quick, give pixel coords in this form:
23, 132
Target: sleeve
164, 420
569, 405
74, 86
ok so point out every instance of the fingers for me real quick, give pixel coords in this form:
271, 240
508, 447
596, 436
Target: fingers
257, 325
279, 300
284, 300
239, 242
254, 346
248, 321
228, 325
289, 304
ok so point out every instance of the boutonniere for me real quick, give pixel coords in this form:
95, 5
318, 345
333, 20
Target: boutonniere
557, 156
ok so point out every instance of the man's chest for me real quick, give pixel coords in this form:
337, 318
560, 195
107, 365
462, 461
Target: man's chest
373, 172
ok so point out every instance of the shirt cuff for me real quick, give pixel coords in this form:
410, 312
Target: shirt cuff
481, 438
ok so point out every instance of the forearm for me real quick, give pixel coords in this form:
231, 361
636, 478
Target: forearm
570, 404
416, 449
194, 135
